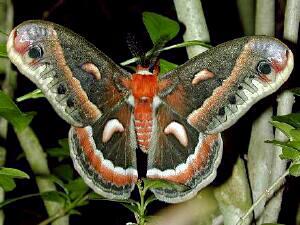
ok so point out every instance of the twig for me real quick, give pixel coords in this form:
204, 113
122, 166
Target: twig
190, 13
264, 196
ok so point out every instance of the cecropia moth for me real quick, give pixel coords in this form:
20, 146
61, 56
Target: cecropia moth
175, 118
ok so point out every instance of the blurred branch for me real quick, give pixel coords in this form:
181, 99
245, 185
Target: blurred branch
190, 13
38, 163
259, 160
6, 22
265, 17
291, 20
285, 105
202, 210
234, 196
246, 11
2, 162
263, 197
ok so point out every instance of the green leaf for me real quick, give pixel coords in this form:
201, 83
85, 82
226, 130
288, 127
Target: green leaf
13, 173
295, 170
3, 53
290, 154
149, 200
77, 188
284, 127
292, 119
159, 27
12, 113
132, 207
64, 172
54, 196
295, 134
296, 91
294, 144
159, 183
166, 66
7, 183
75, 212
37, 93
60, 152
59, 182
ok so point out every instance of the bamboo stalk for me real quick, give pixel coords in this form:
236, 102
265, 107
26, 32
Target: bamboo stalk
259, 160
285, 105
291, 20
38, 163
246, 11
271, 213
190, 13
265, 17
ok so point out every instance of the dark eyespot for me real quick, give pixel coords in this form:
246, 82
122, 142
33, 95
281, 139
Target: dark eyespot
61, 89
264, 67
221, 111
35, 52
70, 102
232, 99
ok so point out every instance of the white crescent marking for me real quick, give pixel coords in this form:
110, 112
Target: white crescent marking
110, 128
178, 131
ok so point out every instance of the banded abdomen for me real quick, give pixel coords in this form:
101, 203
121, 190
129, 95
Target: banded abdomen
144, 88
143, 122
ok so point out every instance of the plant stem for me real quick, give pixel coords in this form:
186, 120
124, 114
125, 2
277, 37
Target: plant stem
38, 163
265, 17
291, 20
65, 211
285, 105
264, 196
246, 11
190, 13
259, 160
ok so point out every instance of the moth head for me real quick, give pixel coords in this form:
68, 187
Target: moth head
272, 62
28, 46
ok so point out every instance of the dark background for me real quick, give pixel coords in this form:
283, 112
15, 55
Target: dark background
105, 23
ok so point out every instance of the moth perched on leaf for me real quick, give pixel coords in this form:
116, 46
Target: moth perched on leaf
174, 118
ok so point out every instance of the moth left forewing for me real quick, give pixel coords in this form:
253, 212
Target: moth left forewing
79, 81
214, 89
180, 154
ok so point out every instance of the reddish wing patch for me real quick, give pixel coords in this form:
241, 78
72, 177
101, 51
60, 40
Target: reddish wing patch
199, 161
105, 171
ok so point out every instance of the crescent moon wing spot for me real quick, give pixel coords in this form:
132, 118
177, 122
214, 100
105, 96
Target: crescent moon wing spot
203, 75
92, 69
178, 131
110, 128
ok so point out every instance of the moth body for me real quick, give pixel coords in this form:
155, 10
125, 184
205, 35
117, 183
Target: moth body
144, 89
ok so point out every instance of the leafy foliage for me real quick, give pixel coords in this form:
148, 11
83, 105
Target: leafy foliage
10, 111
159, 26
37, 93
7, 176
3, 53
290, 126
